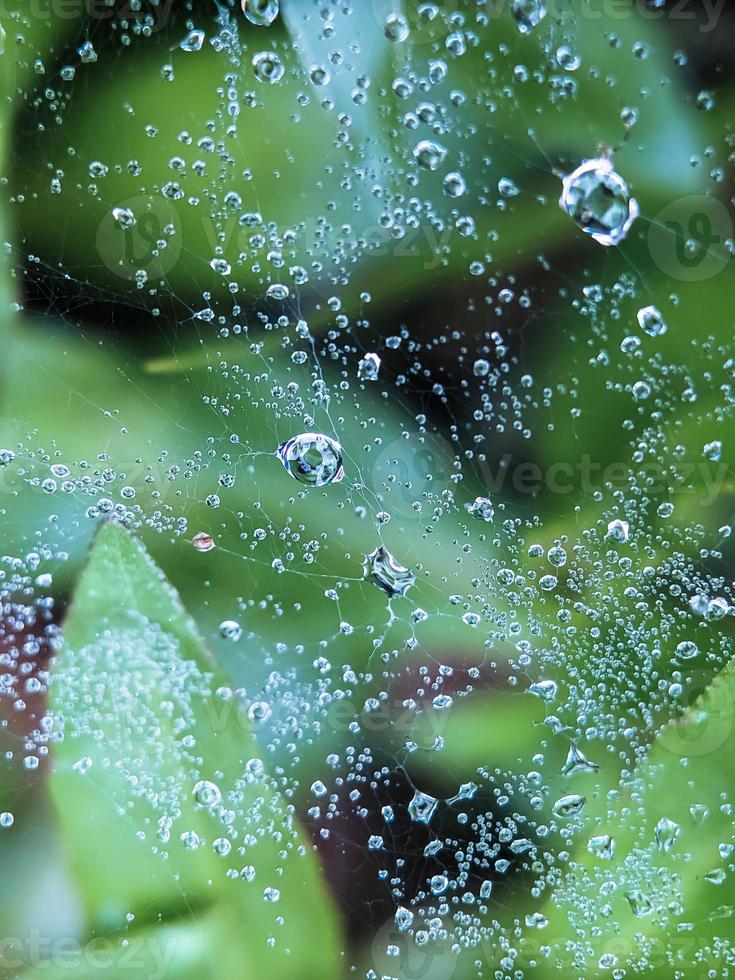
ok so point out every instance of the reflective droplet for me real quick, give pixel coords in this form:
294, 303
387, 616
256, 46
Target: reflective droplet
202, 541
268, 67
618, 531
381, 568
577, 762
403, 918
230, 630
546, 690
193, 41
262, 13
312, 458
429, 154
666, 833
482, 509
599, 200
368, 368
686, 650
207, 793
528, 14
422, 807
277, 291
396, 27
568, 806
124, 217
603, 846
87, 53
639, 903
651, 321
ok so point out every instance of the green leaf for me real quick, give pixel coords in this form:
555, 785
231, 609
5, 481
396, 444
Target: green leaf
655, 895
137, 724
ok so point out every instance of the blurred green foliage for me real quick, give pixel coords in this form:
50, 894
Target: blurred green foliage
128, 382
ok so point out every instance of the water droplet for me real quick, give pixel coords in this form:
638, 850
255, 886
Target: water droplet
639, 903
618, 531
666, 833
277, 291
482, 509
577, 762
715, 877
651, 321
230, 630
193, 41
713, 451
568, 806
268, 67
124, 217
602, 846
396, 27
422, 807
221, 266
262, 13
429, 154
87, 53
312, 458
382, 568
202, 541
207, 793
546, 690
403, 918
686, 650
567, 58
598, 199
368, 368
508, 187
528, 14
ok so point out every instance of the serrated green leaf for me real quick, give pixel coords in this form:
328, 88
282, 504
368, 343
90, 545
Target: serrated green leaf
137, 724
665, 895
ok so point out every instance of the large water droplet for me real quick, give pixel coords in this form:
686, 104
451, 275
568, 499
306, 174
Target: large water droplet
528, 14
422, 807
262, 13
268, 67
599, 200
382, 568
312, 458
429, 154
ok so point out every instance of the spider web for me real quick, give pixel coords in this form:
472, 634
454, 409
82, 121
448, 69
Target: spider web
172, 384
